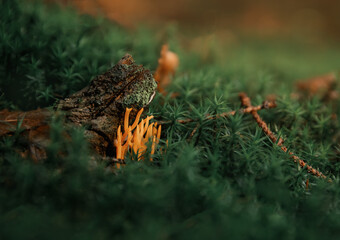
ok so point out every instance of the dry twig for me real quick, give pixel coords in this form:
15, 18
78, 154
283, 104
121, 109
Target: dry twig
247, 103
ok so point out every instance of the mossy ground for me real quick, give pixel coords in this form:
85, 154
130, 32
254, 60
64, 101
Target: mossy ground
227, 181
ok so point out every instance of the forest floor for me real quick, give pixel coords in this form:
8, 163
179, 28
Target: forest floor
215, 177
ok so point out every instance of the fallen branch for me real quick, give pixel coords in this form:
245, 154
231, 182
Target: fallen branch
245, 100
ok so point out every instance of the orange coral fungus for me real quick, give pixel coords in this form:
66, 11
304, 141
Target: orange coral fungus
167, 66
136, 136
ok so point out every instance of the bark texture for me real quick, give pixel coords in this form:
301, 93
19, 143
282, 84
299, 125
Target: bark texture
99, 108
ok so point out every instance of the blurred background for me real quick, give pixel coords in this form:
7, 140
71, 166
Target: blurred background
317, 19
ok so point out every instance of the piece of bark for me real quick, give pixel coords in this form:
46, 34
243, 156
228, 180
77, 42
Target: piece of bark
98, 107
33, 130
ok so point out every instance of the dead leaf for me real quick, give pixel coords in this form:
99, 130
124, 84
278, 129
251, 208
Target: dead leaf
322, 86
167, 66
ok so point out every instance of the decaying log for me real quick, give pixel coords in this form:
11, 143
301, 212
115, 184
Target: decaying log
98, 107
33, 130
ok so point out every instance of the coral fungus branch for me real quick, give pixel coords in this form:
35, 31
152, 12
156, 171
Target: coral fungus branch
136, 136
245, 100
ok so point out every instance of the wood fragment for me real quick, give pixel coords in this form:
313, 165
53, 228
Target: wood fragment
99, 108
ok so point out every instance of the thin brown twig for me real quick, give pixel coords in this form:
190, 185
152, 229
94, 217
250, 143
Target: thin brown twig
245, 100
10, 120
265, 105
193, 132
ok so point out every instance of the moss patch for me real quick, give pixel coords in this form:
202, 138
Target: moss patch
141, 93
